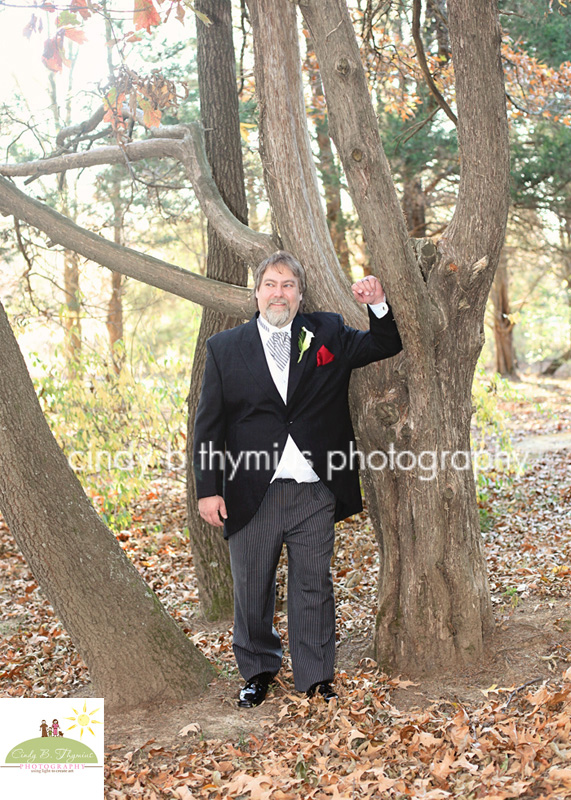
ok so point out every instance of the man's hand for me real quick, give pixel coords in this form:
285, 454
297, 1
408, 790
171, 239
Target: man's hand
368, 290
213, 510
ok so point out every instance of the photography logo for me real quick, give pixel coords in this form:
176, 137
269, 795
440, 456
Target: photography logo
58, 740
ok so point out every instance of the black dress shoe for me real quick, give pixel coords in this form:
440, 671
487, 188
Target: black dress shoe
323, 688
254, 691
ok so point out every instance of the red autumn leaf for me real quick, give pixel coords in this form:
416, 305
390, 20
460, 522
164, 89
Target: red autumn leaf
113, 103
145, 15
48, 7
53, 56
75, 35
81, 7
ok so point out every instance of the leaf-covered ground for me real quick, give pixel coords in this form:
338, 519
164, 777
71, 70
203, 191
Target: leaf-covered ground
499, 730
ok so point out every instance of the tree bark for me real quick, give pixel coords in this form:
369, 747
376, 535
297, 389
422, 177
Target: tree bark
72, 313
434, 605
220, 118
135, 652
115, 304
503, 325
289, 169
328, 168
414, 206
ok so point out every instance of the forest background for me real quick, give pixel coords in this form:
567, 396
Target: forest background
97, 344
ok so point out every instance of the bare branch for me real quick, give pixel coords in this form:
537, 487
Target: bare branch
187, 146
423, 64
109, 154
81, 128
232, 300
478, 224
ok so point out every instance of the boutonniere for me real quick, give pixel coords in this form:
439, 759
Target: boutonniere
304, 341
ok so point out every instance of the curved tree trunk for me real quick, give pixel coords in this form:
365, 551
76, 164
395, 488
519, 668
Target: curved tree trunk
434, 605
219, 114
135, 652
289, 169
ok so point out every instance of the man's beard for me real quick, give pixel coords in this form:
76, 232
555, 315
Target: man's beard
278, 315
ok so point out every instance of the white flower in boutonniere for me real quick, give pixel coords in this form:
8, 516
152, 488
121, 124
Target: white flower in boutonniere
304, 341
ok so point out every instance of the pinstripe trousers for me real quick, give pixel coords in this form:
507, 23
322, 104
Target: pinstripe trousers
301, 515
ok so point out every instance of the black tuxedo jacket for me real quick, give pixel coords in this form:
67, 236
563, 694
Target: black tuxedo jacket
242, 423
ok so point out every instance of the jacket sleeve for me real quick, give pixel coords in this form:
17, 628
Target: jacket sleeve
382, 340
210, 432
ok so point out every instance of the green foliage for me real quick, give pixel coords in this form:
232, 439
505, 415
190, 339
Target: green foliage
542, 329
432, 147
544, 26
489, 419
538, 156
511, 594
492, 451
118, 430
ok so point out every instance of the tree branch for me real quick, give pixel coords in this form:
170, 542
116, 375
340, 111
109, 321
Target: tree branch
478, 225
108, 154
186, 144
423, 64
229, 299
81, 128
250, 245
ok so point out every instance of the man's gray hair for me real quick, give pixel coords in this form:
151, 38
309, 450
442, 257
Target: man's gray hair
285, 258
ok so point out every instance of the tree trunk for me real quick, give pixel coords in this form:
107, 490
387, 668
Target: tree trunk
434, 605
135, 652
414, 207
503, 325
72, 313
220, 117
328, 168
289, 169
72, 309
115, 305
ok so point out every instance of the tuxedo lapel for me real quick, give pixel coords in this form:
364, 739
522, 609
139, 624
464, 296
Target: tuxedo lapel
297, 367
253, 354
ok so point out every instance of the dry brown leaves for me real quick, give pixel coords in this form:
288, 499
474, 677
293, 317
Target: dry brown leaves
513, 743
514, 746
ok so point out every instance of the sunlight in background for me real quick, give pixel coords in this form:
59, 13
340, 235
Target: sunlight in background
25, 74
24, 71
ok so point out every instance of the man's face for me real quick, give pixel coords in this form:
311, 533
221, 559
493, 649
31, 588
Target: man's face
279, 295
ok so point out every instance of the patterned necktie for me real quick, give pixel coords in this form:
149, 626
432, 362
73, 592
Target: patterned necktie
279, 345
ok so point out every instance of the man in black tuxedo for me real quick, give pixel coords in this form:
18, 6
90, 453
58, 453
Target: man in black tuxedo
274, 460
